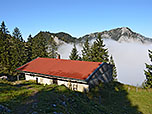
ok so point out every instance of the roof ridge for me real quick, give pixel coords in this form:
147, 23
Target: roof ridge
69, 60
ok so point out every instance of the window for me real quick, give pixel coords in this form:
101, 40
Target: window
55, 81
75, 87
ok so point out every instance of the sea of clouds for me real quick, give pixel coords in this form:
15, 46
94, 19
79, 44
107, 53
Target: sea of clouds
130, 59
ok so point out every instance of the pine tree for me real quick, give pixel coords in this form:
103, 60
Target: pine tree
148, 72
98, 51
17, 34
52, 48
3, 28
114, 78
4, 48
74, 54
20, 47
11, 56
12, 51
5, 56
39, 47
1, 51
28, 48
86, 51
14, 54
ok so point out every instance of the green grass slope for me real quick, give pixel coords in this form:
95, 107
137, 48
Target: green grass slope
27, 97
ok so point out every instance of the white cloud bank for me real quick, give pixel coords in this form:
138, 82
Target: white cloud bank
130, 59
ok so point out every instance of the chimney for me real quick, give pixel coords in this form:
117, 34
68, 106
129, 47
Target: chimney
58, 56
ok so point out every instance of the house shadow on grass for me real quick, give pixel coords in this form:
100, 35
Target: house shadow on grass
114, 97
56, 99
53, 99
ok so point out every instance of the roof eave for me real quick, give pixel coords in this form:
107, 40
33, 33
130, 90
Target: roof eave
79, 80
25, 64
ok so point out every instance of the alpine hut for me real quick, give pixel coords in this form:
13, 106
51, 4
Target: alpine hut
76, 75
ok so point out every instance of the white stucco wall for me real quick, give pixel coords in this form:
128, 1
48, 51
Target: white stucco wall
73, 86
45, 80
28, 77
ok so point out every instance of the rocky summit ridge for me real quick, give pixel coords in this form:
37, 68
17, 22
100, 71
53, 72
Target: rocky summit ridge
123, 34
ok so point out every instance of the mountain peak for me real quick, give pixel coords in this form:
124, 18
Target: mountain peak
125, 30
123, 34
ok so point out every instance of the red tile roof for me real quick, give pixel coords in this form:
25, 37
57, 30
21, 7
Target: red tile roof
61, 67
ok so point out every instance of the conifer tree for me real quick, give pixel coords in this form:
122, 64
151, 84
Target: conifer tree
98, 51
28, 48
4, 48
20, 47
52, 48
3, 36
1, 50
17, 34
11, 51
39, 47
86, 51
11, 56
5, 56
148, 72
114, 74
3, 28
14, 55
74, 54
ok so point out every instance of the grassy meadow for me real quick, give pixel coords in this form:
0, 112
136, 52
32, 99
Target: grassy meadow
27, 97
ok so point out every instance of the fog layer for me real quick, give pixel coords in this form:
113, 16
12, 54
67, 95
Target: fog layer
130, 59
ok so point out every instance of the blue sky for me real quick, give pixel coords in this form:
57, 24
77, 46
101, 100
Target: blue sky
76, 17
